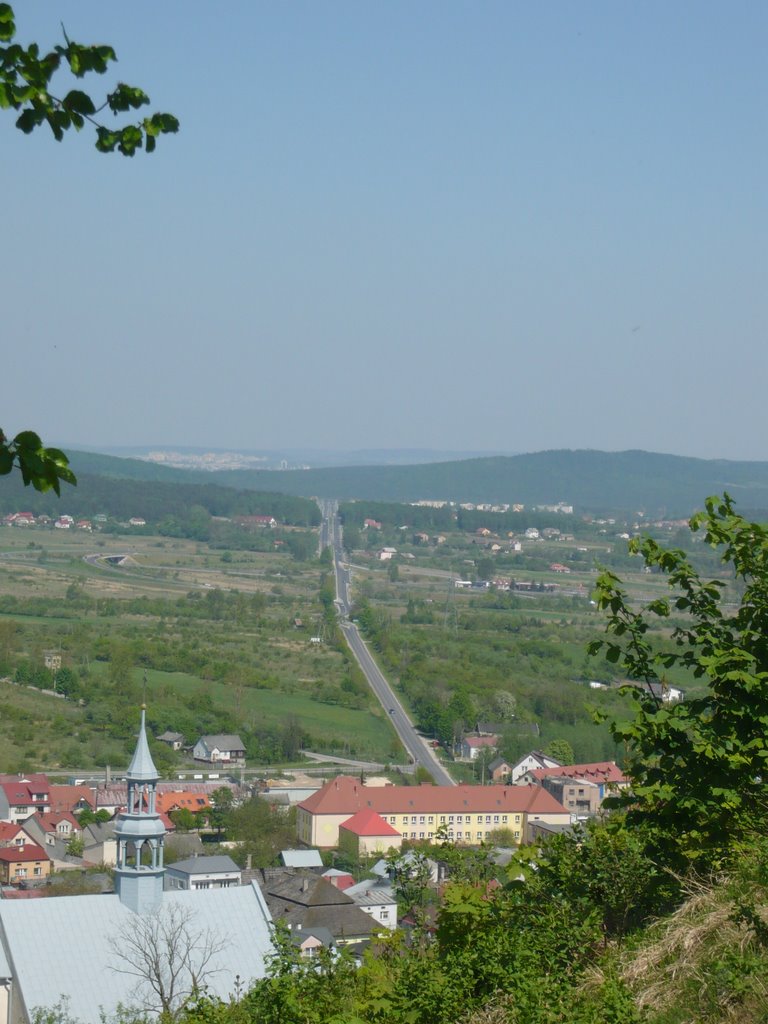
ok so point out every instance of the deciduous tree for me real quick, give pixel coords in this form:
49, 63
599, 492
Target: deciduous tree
698, 767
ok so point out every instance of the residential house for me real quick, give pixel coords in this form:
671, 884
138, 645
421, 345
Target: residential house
23, 863
380, 904
386, 554
47, 829
580, 796
137, 521
182, 800
309, 941
71, 799
534, 759
175, 740
100, 844
371, 524
605, 774
220, 749
471, 746
23, 795
417, 812
12, 834
340, 879
219, 872
305, 901
499, 770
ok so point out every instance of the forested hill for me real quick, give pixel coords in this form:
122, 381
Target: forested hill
154, 500
590, 480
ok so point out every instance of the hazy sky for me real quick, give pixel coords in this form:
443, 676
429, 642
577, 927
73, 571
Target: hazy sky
498, 225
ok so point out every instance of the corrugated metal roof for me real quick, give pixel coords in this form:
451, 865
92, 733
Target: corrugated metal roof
61, 947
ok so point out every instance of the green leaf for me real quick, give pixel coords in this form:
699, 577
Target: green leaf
79, 102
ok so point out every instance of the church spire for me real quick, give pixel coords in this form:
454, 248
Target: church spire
139, 833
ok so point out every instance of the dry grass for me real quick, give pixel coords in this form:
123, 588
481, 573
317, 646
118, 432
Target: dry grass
682, 962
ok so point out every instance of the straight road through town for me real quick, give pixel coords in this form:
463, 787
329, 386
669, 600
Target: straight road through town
418, 750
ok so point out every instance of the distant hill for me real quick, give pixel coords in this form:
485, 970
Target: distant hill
590, 480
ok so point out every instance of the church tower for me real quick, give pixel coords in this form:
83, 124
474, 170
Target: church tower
139, 833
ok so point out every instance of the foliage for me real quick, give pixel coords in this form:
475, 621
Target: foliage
560, 750
44, 468
604, 871
25, 85
698, 767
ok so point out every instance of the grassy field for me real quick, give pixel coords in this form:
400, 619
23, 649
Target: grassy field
223, 638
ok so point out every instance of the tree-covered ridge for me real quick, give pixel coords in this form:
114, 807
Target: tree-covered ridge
156, 500
668, 485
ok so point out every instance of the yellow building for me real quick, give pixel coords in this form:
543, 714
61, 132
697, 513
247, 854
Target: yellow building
468, 813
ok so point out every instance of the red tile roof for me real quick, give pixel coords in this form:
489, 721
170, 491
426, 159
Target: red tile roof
22, 789
345, 795
597, 771
9, 831
23, 853
66, 798
368, 823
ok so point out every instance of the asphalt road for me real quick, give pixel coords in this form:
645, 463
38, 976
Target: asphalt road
418, 750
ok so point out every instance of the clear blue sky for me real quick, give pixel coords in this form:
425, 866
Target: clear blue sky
498, 225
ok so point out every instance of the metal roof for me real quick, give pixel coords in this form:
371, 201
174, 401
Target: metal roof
142, 767
204, 865
64, 946
301, 858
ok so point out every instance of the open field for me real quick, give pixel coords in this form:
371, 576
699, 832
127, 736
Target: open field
225, 641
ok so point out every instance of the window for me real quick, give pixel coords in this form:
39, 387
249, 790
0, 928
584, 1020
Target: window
460, 835
517, 819
37, 871
421, 819
479, 819
488, 819
421, 835
442, 819
20, 872
385, 915
392, 819
496, 819
413, 819
504, 818
517, 834
450, 819
479, 834
430, 835
431, 819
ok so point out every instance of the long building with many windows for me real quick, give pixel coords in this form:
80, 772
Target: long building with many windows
468, 813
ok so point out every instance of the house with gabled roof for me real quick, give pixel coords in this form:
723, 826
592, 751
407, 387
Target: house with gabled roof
23, 795
606, 775
220, 749
23, 864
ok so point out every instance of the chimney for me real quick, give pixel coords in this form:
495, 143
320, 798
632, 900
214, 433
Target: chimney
249, 862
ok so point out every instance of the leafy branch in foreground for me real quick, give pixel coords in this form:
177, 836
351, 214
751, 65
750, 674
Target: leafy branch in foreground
699, 768
44, 468
25, 80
